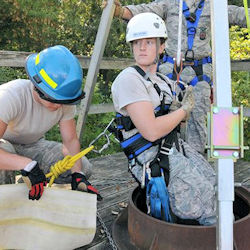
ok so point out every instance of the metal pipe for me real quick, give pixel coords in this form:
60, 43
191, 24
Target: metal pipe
223, 98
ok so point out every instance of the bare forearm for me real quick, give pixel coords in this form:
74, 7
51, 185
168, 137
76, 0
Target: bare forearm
9, 161
72, 148
163, 125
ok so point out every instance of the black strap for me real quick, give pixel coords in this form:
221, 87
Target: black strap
143, 74
162, 78
140, 71
198, 70
161, 160
158, 90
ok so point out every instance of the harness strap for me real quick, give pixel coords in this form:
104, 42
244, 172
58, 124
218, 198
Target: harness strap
157, 193
143, 74
164, 151
135, 145
196, 65
197, 79
205, 60
192, 23
124, 122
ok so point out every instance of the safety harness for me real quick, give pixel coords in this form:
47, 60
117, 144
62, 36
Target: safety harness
158, 171
192, 20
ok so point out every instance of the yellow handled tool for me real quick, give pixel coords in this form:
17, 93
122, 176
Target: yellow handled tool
63, 165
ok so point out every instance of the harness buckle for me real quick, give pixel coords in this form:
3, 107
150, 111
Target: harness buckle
188, 63
166, 151
191, 31
148, 170
146, 174
161, 96
189, 56
192, 17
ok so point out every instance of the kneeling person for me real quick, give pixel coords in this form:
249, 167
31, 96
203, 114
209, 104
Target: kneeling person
30, 108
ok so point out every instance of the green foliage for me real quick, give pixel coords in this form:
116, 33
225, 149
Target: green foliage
240, 50
54, 134
241, 96
95, 125
239, 43
236, 2
28, 25
7, 74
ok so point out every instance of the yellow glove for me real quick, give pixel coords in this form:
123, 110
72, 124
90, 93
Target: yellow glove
119, 10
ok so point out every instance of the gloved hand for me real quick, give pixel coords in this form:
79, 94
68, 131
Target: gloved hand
35, 179
80, 183
174, 105
118, 8
188, 101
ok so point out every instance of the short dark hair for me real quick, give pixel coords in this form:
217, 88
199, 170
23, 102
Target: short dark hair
162, 40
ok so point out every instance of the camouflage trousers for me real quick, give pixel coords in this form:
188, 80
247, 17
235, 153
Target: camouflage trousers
192, 185
196, 134
46, 153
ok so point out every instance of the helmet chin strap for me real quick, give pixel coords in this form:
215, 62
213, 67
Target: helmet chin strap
156, 57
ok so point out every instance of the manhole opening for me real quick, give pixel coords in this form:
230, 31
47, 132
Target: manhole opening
240, 207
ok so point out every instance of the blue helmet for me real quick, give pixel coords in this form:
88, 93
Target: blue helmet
56, 74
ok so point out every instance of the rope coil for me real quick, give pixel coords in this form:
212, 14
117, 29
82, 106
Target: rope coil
65, 164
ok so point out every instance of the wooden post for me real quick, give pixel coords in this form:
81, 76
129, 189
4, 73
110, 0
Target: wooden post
99, 46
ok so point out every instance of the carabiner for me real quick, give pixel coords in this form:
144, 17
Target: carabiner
104, 134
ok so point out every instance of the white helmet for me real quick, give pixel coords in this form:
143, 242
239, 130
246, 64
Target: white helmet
145, 25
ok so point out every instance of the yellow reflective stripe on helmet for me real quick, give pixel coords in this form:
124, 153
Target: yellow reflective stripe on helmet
48, 80
37, 59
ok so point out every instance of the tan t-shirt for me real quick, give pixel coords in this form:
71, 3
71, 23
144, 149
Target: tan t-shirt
27, 119
130, 87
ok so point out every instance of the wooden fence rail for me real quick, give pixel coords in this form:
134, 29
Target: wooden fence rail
17, 59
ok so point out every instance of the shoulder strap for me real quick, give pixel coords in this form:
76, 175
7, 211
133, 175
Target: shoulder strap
140, 71
158, 90
163, 79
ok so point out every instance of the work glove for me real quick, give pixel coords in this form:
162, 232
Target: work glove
118, 8
188, 101
174, 106
80, 183
35, 179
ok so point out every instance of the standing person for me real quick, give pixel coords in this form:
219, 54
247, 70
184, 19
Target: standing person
30, 108
196, 52
142, 97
